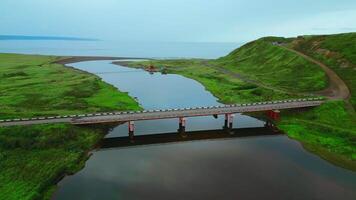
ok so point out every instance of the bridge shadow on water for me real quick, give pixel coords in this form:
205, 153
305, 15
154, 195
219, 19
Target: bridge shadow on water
163, 138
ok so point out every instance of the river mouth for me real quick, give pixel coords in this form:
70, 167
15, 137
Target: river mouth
221, 167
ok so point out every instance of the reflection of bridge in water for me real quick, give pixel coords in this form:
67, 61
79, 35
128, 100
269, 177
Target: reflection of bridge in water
162, 138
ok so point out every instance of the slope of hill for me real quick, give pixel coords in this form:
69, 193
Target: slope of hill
336, 51
265, 61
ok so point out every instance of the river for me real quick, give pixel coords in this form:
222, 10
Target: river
264, 167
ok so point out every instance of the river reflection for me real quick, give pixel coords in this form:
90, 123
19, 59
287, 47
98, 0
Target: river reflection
265, 167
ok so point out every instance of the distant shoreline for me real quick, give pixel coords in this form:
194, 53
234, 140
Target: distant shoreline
31, 37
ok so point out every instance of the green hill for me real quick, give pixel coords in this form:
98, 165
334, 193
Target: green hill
337, 51
264, 60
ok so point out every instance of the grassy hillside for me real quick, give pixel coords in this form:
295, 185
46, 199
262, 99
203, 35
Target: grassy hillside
337, 51
264, 69
33, 158
266, 62
331, 126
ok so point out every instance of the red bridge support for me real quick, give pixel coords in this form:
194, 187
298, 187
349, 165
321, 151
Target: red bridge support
182, 122
131, 129
229, 118
274, 114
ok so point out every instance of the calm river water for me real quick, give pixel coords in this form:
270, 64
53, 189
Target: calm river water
265, 167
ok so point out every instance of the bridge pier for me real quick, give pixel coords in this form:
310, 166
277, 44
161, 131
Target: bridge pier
228, 123
182, 122
274, 114
269, 124
131, 130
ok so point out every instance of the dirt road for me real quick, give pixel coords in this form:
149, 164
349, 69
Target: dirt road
337, 88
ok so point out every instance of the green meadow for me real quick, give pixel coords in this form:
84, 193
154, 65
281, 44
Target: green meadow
34, 158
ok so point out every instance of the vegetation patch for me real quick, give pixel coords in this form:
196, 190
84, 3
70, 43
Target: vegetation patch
336, 51
34, 158
330, 127
267, 62
52, 89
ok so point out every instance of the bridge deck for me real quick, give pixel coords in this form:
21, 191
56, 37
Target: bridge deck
166, 114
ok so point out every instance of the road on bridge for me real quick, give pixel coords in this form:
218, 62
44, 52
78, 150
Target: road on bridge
111, 117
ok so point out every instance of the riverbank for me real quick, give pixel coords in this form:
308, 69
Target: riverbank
34, 158
75, 59
264, 70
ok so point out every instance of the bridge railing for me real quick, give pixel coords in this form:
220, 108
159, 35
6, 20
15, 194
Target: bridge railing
162, 110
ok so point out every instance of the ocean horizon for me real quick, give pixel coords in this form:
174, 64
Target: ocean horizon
46, 45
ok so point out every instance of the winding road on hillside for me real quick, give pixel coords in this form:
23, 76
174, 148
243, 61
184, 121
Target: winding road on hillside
337, 88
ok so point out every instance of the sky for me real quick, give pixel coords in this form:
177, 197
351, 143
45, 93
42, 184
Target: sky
176, 20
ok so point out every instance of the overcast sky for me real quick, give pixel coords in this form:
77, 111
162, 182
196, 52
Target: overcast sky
176, 20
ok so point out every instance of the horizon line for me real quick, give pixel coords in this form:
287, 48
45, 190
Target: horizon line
39, 37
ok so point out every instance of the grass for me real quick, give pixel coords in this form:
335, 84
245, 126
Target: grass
268, 63
33, 158
329, 126
328, 131
35, 86
337, 51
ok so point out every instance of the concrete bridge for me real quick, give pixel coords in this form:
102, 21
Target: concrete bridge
272, 108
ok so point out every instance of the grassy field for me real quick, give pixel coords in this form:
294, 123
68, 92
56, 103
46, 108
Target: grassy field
33, 158
328, 131
35, 86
